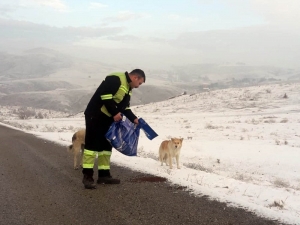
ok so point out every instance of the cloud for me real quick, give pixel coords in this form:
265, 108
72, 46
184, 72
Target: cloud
5, 10
275, 12
271, 45
279, 11
54, 4
126, 16
275, 42
13, 32
97, 5
176, 17
173, 17
124, 38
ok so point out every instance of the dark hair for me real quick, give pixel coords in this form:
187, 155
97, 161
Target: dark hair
140, 73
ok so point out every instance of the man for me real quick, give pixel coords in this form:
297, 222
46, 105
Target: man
110, 100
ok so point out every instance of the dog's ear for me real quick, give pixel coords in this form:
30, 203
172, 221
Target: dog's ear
181, 139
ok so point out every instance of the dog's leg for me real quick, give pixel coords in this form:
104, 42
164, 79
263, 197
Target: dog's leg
161, 158
170, 161
166, 159
77, 155
75, 160
81, 155
81, 158
177, 160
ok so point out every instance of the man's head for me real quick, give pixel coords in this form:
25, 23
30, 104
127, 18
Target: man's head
137, 78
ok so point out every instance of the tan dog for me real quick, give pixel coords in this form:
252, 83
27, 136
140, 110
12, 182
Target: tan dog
170, 149
77, 147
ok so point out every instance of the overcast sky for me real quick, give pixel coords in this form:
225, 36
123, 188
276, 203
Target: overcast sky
158, 32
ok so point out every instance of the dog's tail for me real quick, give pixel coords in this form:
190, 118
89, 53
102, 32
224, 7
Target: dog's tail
70, 148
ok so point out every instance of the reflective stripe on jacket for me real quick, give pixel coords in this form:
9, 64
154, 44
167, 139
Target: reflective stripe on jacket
124, 91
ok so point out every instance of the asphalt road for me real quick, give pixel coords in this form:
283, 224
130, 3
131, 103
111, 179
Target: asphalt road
38, 185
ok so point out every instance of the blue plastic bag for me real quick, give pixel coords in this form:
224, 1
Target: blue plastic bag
150, 133
124, 136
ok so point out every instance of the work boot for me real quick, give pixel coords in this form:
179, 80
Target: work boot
88, 182
108, 180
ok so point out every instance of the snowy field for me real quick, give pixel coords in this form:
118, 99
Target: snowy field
241, 145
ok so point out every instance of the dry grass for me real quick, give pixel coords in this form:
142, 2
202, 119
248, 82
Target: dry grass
281, 183
242, 177
210, 126
254, 121
278, 204
197, 166
285, 120
143, 154
270, 121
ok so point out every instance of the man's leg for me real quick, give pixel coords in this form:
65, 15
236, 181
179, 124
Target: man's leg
90, 151
88, 171
104, 176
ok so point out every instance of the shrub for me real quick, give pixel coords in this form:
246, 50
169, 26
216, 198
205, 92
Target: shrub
285, 120
210, 126
197, 166
25, 113
269, 121
280, 183
39, 115
279, 204
255, 122
242, 177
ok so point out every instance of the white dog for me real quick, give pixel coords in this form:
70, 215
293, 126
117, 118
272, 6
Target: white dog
169, 149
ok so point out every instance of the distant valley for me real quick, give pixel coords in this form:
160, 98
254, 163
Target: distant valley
47, 79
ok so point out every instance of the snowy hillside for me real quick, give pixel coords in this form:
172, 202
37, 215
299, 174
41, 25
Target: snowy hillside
48, 79
241, 145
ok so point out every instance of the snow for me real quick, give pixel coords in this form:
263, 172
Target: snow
241, 145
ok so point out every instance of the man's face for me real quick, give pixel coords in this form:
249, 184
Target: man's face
136, 81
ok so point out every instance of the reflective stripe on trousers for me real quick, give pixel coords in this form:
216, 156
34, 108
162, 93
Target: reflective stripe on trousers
103, 159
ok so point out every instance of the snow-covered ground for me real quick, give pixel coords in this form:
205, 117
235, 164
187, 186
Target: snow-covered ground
241, 145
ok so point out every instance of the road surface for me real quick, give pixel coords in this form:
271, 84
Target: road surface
38, 185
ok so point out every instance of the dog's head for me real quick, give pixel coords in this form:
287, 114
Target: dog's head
177, 142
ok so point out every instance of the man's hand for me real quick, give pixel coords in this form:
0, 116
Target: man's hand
136, 121
117, 117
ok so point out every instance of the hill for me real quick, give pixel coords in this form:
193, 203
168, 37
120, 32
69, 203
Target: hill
44, 78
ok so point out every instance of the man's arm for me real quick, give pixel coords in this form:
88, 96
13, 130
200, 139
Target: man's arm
130, 115
111, 86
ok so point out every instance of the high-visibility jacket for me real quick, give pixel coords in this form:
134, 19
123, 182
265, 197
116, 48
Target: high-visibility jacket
111, 97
